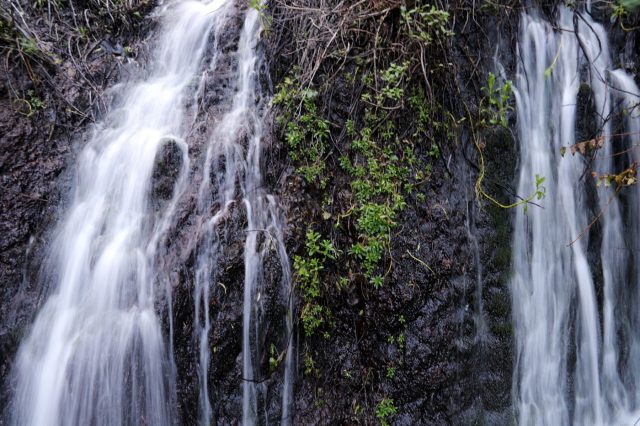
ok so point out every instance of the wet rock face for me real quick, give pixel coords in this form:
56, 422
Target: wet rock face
422, 324
187, 237
30, 165
166, 171
487, 348
437, 336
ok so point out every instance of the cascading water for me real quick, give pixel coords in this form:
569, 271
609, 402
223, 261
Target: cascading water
237, 174
627, 93
573, 365
96, 353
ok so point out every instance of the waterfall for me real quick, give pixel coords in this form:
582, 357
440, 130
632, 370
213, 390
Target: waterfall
98, 351
96, 354
574, 363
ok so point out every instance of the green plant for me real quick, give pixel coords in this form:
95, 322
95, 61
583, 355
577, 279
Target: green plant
380, 178
387, 143
385, 410
377, 281
498, 102
538, 193
357, 410
493, 115
629, 5
549, 70
307, 275
621, 10
17, 39
306, 132
313, 317
402, 338
257, 5
310, 365
83, 31
343, 283
425, 22
261, 7
392, 77
32, 102
275, 358
391, 372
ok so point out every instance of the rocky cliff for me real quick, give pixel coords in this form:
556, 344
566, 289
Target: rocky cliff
380, 119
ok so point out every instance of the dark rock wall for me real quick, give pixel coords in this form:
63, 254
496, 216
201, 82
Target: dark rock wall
455, 366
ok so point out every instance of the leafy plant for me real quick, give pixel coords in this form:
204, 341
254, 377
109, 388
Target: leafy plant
391, 372
621, 10
306, 132
385, 410
402, 339
310, 365
387, 147
307, 274
495, 114
629, 4
498, 102
425, 22
381, 178
261, 8
549, 70
257, 5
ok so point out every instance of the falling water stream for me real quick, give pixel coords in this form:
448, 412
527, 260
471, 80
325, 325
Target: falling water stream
575, 364
97, 353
